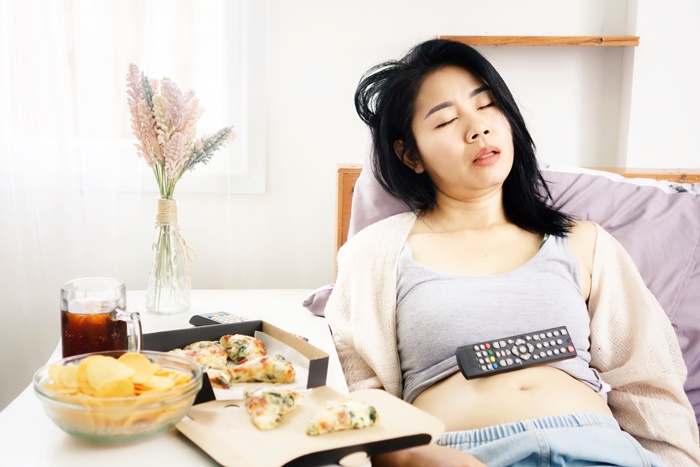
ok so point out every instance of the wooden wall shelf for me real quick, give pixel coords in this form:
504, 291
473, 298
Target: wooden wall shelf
586, 41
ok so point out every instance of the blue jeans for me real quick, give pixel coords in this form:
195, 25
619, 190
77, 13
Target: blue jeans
582, 439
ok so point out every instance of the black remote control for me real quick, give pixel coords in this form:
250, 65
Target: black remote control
218, 317
515, 352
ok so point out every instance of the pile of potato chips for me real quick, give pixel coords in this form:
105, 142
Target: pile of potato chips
132, 374
100, 384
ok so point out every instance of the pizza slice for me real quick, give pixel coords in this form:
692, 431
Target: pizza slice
241, 348
267, 369
212, 357
342, 414
266, 406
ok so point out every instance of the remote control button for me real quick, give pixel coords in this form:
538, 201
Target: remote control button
556, 333
556, 351
543, 354
476, 347
502, 362
563, 332
570, 348
515, 350
481, 361
522, 349
502, 343
542, 336
490, 352
530, 348
492, 359
511, 341
509, 361
535, 357
549, 334
483, 368
559, 342
526, 356
496, 345
519, 342
539, 345
494, 365
549, 352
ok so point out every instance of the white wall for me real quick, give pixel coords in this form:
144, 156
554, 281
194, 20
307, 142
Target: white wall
573, 98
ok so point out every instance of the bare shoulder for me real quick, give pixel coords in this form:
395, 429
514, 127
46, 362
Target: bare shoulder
582, 240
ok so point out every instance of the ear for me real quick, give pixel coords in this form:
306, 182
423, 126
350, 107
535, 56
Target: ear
407, 159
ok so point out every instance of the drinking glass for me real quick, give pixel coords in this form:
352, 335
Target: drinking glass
94, 317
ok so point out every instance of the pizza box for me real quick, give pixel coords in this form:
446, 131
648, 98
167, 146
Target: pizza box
315, 361
223, 429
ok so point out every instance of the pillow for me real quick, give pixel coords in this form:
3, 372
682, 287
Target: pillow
657, 222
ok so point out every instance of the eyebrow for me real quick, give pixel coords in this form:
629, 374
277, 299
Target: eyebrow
445, 104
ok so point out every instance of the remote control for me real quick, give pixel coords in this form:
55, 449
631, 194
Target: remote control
515, 352
219, 317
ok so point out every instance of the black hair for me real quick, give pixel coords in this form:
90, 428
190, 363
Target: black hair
385, 100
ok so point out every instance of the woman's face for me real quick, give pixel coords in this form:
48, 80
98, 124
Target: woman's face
465, 141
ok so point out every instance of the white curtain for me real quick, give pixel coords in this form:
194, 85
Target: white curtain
72, 190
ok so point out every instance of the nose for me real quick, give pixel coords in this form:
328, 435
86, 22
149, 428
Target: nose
477, 131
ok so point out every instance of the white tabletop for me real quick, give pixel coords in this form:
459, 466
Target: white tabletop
28, 437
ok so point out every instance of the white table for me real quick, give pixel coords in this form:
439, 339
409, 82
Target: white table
28, 437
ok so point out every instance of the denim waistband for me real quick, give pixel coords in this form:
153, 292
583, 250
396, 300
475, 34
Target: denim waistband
491, 433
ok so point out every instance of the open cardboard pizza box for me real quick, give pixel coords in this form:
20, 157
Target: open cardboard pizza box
310, 362
223, 429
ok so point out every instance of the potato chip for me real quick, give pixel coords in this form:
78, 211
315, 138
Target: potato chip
101, 369
81, 376
141, 365
69, 377
55, 374
160, 383
116, 388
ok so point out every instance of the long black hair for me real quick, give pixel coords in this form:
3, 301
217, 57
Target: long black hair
385, 100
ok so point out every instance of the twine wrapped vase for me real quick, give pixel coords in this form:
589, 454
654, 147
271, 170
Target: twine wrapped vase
168, 283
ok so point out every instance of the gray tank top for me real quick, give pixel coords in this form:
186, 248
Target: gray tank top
438, 312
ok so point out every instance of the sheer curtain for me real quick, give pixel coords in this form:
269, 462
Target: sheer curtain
73, 193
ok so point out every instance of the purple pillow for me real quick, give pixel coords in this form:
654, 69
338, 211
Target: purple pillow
657, 222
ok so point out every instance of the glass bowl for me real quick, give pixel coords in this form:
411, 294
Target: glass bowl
118, 420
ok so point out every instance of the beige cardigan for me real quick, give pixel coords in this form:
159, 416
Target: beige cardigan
633, 345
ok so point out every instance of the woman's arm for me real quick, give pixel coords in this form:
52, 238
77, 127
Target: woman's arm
634, 347
427, 455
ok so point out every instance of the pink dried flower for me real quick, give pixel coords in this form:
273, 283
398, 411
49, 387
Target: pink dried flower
177, 103
133, 80
175, 155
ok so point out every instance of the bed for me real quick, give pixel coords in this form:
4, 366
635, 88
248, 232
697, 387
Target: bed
653, 213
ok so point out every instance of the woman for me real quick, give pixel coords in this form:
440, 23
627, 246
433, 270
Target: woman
482, 256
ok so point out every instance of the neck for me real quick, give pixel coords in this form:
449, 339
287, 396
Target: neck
452, 214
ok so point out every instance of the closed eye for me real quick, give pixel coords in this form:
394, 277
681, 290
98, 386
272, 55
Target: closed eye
446, 123
490, 104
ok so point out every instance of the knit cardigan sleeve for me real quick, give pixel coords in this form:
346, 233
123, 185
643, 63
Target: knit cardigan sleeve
361, 310
635, 349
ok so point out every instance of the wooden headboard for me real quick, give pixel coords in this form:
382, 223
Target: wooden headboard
348, 173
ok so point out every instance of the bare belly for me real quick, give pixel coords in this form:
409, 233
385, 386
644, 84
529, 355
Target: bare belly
508, 397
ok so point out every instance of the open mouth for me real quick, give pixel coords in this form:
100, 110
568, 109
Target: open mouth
486, 156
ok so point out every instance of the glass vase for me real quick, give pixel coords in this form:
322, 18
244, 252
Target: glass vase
168, 283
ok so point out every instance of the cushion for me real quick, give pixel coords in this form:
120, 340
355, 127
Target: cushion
657, 222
